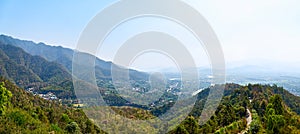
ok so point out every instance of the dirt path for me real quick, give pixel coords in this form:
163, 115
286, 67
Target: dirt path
249, 120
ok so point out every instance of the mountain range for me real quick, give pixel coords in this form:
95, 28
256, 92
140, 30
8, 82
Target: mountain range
40, 66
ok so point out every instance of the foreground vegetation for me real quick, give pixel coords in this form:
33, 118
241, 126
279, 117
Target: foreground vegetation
273, 110
21, 112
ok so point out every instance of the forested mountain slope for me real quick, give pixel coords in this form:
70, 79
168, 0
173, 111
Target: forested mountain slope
64, 56
25, 113
29, 71
270, 106
273, 110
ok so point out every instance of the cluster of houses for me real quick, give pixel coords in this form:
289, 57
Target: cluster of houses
52, 96
47, 96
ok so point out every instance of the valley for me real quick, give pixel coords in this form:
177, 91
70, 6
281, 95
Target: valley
42, 100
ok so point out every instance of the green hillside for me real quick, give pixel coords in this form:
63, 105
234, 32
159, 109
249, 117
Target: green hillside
29, 71
272, 108
48, 68
64, 56
25, 113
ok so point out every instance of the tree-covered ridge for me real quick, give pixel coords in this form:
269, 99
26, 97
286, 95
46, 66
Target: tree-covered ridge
46, 71
64, 56
277, 110
25, 113
273, 110
48, 68
29, 71
262, 93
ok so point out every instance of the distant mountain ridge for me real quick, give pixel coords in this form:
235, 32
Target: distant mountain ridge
48, 68
50, 53
64, 56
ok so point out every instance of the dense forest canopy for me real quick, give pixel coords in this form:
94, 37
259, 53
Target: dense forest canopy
24, 113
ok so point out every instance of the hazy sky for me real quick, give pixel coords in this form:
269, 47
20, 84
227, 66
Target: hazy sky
247, 29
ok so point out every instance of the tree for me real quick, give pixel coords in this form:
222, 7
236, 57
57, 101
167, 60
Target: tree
275, 123
206, 128
255, 126
73, 128
5, 95
275, 118
180, 130
276, 101
191, 125
89, 127
263, 107
65, 118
